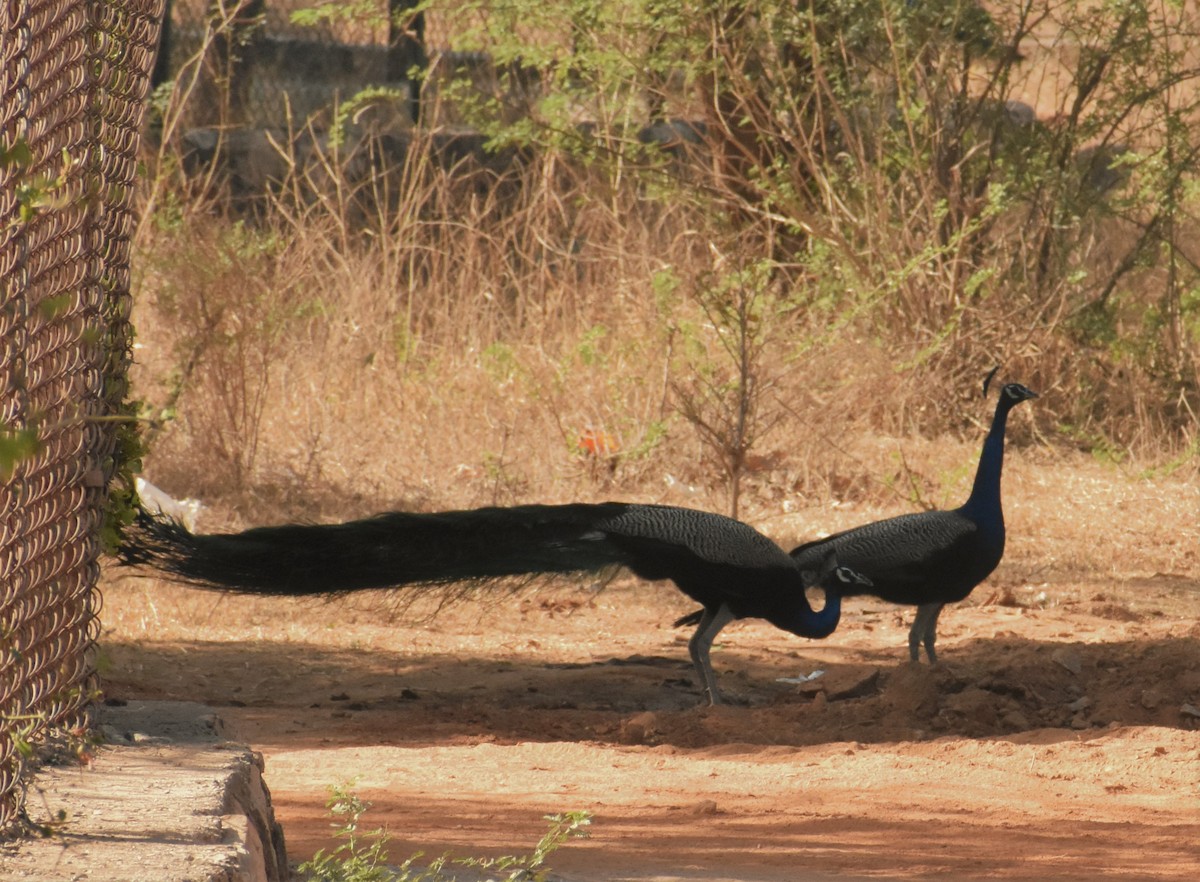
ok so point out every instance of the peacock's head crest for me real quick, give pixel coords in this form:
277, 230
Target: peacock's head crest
1017, 393
833, 575
1014, 393
847, 576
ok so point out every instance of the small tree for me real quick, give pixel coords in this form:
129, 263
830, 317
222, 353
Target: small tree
725, 385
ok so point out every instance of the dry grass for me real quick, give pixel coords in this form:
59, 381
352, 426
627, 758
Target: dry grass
305, 365
439, 334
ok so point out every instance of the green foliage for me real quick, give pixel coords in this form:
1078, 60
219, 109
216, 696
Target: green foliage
17, 154
500, 362
357, 11
15, 446
122, 507
653, 435
881, 199
869, 146
588, 350
532, 867
664, 284
35, 193
362, 856
346, 111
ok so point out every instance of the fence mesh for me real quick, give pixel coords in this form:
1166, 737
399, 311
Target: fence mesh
250, 63
73, 79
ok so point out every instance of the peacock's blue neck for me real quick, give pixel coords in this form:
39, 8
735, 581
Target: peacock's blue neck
826, 621
984, 502
804, 621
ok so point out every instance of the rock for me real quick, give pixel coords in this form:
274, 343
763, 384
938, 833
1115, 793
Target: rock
911, 692
1189, 710
639, 728
975, 705
1080, 704
1069, 658
851, 681
1016, 721
1151, 698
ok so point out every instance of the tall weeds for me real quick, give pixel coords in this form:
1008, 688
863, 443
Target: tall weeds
442, 325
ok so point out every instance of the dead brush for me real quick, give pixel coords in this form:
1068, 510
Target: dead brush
440, 327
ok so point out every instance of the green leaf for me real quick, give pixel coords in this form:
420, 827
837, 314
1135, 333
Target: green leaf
16, 446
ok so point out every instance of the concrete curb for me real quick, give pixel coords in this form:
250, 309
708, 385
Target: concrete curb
166, 800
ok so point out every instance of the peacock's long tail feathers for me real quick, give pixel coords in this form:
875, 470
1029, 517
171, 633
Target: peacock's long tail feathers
386, 551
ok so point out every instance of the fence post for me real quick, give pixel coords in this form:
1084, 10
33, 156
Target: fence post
73, 81
407, 58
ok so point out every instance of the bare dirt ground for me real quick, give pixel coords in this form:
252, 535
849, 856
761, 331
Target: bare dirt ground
1058, 739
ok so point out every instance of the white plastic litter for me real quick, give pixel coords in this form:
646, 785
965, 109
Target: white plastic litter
803, 678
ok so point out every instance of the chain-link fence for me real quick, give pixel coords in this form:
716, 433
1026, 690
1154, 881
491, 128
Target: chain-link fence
73, 79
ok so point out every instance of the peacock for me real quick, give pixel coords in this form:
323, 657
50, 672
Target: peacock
730, 568
931, 558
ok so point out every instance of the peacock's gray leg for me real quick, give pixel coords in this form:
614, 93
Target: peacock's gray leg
931, 632
924, 630
711, 623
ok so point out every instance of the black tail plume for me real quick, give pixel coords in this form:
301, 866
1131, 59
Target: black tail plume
386, 551
727, 566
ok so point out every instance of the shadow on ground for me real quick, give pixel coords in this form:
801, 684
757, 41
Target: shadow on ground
305, 694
